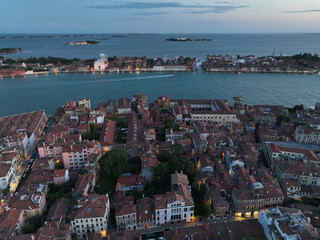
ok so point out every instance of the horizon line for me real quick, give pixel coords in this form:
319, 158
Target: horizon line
159, 33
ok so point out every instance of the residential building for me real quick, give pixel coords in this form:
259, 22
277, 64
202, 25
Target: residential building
32, 124
307, 134
164, 101
252, 196
60, 176
286, 223
126, 216
306, 174
30, 200
145, 213
8, 169
84, 185
91, 216
107, 136
177, 206
74, 156
11, 223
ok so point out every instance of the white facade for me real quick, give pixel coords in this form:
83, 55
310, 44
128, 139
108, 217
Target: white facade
174, 212
222, 119
100, 64
308, 137
127, 221
9, 174
287, 224
82, 226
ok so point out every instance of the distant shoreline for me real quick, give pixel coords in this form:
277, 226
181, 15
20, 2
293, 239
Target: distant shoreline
137, 73
52, 36
6, 51
180, 39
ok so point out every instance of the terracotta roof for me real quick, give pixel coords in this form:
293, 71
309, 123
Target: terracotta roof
125, 209
145, 209
107, 134
29, 121
8, 222
178, 178
94, 208
59, 208
124, 103
127, 181
82, 183
4, 169
52, 232
59, 173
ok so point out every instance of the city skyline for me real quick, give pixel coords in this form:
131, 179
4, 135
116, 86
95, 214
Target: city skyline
130, 16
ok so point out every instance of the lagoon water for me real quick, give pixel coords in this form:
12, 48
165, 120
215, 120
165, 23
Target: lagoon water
51, 91
155, 45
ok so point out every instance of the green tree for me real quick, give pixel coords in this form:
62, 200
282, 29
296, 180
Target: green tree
201, 208
32, 224
115, 162
168, 124
282, 117
6, 191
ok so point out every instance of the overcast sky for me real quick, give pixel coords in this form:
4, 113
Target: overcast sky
159, 16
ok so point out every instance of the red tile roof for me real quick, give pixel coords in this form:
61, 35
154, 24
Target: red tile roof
59, 173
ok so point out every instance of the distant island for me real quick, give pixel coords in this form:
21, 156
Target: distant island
120, 35
83, 42
4, 51
52, 36
102, 39
188, 39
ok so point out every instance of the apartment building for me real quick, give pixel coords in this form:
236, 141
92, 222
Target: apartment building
175, 206
8, 169
307, 134
286, 223
91, 216
74, 156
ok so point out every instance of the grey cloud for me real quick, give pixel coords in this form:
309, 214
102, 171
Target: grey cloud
151, 13
175, 5
140, 5
216, 9
303, 11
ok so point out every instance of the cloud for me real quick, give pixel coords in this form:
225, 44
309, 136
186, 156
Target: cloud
216, 9
303, 11
209, 22
151, 13
140, 5
173, 5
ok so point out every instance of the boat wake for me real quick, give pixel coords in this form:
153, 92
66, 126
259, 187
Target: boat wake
139, 78
127, 79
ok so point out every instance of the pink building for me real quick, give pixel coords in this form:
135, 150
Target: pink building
74, 156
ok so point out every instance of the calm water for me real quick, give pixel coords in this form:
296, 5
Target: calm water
155, 45
49, 92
